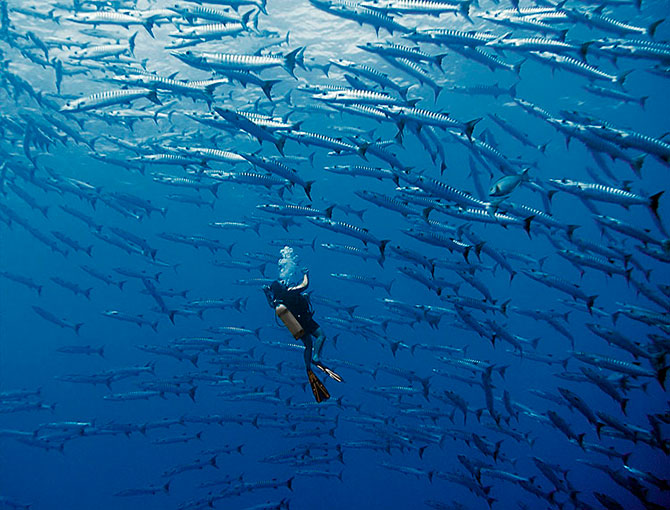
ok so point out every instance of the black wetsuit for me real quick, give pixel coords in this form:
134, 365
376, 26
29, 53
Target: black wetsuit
300, 307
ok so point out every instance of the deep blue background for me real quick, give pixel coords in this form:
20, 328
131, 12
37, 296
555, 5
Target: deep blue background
91, 470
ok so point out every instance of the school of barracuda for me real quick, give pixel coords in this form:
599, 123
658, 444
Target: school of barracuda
179, 107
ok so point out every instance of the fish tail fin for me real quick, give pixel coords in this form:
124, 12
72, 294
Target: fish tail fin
652, 28
290, 60
267, 87
382, 246
661, 374
621, 78
470, 127
308, 190
149, 25
153, 97
131, 43
653, 202
589, 303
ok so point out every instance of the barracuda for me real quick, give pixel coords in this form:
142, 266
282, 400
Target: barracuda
357, 12
345, 228
96, 18
281, 170
397, 50
112, 97
635, 140
577, 66
560, 284
369, 281
295, 210
227, 61
617, 94
356, 96
370, 73
191, 12
246, 124
579, 260
539, 44
363, 171
319, 140
186, 183
352, 250
442, 190
427, 117
447, 36
108, 50
418, 7
207, 153
268, 122
196, 89
631, 231
594, 19
606, 193
416, 71
213, 31
519, 20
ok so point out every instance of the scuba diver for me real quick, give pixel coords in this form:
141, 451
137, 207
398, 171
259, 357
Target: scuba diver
295, 311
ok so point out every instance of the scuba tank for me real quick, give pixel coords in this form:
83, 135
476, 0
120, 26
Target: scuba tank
290, 321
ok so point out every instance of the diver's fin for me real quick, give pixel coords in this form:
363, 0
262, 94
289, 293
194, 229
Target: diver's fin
319, 390
329, 372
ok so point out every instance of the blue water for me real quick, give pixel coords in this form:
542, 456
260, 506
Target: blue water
94, 466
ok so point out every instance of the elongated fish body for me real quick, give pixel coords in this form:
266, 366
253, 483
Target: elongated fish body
429, 117
614, 365
616, 94
446, 36
580, 260
539, 44
595, 20
365, 71
577, 66
295, 210
387, 202
353, 96
225, 61
109, 98
281, 170
363, 171
47, 315
97, 18
368, 281
350, 230
442, 190
198, 89
605, 193
560, 284
208, 32
397, 50
23, 280
417, 7
632, 139
630, 230
415, 70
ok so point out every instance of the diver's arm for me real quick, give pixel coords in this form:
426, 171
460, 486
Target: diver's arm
303, 285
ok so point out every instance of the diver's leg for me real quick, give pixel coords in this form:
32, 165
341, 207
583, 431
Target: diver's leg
319, 339
307, 340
